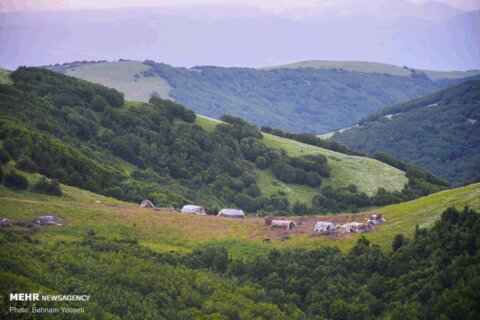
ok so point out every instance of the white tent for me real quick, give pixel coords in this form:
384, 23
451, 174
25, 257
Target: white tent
287, 224
357, 227
147, 204
321, 226
376, 219
190, 208
234, 213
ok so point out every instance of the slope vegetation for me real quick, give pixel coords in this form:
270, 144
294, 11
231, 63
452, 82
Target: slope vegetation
295, 99
85, 135
162, 230
439, 132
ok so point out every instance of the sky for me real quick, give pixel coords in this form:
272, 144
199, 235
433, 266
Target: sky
34, 5
259, 33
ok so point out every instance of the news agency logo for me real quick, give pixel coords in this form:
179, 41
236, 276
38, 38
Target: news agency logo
24, 297
38, 297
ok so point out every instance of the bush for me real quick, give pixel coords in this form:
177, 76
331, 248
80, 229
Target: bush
261, 162
47, 186
15, 181
4, 156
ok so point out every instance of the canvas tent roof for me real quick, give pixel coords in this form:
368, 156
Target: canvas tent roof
323, 226
47, 220
232, 213
288, 224
190, 208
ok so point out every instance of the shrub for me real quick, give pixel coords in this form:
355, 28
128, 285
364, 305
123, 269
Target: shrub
15, 181
4, 156
47, 186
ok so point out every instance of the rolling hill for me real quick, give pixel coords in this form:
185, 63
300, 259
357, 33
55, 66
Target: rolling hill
439, 132
86, 135
309, 99
141, 263
375, 67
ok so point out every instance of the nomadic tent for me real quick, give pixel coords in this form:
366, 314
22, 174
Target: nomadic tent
190, 208
233, 213
147, 204
376, 219
357, 227
287, 224
47, 220
5, 222
322, 226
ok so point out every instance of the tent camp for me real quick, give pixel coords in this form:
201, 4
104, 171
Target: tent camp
287, 224
192, 209
323, 226
233, 213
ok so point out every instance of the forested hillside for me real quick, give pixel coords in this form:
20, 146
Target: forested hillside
432, 275
85, 135
297, 100
440, 132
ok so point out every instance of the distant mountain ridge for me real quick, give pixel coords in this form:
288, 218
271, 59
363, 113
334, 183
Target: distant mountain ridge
375, 67
298, 100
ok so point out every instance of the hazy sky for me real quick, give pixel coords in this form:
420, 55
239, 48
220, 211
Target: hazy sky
22, 5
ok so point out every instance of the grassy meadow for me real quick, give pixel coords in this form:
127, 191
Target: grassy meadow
162, 230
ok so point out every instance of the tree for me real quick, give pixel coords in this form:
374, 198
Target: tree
15, 181
261, 162
4, 156
47, 186
99, 103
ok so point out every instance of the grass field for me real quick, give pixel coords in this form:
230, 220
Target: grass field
368, 174
164, 231
121, 76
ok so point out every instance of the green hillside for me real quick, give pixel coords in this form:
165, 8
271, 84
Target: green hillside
86, 135
218, 268
137, 263
162, 230
368, 174
439, 132
297, 100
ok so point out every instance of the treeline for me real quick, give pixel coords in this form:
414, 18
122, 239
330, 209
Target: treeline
433, 275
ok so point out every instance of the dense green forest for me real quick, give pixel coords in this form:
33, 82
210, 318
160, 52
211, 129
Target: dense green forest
434, 275
440, 132
297, 100
84, 135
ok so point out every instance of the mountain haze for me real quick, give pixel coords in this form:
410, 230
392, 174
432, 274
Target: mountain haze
422, 36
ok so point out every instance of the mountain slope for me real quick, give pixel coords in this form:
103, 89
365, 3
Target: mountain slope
440, 132
162, 231
87, 136
297, 100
